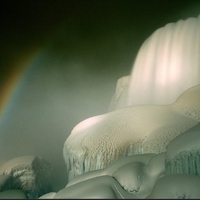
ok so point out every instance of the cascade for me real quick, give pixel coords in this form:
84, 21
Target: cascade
167, 64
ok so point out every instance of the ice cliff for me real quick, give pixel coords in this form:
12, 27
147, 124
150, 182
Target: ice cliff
144, 175
129, 177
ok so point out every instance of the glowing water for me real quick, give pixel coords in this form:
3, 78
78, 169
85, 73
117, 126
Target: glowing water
167, 64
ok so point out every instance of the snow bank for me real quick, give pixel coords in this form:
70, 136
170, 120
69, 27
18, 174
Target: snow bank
49, 195
13, 194
183, 153
176, 187
31, 174
130, 177
98, 141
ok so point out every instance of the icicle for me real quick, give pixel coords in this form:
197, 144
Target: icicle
184, 163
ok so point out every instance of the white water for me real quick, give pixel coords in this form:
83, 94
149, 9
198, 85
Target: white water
167, 64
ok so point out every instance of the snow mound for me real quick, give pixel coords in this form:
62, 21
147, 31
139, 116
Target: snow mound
176, 187
183, 153
97, 141
130, 177
13, 194
6, 167
49, 195
113, 167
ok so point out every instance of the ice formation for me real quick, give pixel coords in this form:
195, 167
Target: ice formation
177, 186
130, 177
167, 64
3, 179
7, 166
136, 177
98, 141
113, 167
183, 153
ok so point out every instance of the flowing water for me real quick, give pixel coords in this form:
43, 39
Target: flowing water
167, 64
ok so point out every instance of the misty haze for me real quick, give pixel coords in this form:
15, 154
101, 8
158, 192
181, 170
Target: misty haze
60, 65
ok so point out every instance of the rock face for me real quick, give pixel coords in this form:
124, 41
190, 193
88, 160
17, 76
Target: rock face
98, 141
129, 177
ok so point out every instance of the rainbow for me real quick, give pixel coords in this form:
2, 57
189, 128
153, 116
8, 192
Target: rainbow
12, 87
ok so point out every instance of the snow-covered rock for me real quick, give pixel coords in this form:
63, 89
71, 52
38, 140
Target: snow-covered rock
13, 194
177, 186
129, 177
3, 180
183, 153
97, 141
112, 168
49, 195
7, 166
30, 173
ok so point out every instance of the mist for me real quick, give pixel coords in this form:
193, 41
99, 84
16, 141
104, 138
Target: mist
83, 48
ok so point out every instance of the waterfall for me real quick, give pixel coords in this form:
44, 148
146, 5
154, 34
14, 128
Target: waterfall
167, 64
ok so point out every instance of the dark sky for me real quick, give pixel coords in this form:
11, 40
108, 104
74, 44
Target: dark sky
110, 31
85, 46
